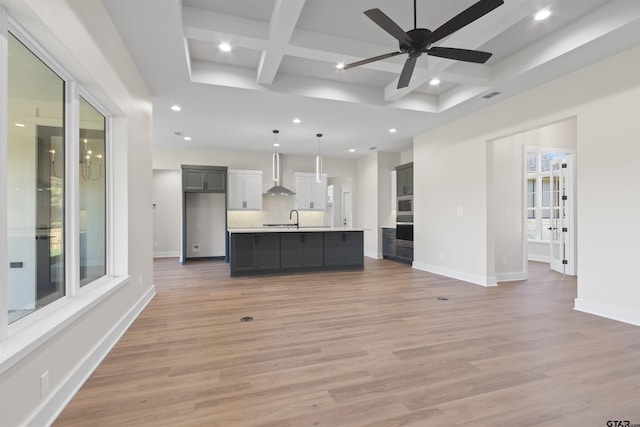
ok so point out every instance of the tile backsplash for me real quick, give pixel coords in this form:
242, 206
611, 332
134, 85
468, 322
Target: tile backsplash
275, 210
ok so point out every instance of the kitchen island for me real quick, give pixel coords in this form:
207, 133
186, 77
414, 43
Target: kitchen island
290, 249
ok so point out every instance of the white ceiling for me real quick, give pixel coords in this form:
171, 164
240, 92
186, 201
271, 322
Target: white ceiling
282, 66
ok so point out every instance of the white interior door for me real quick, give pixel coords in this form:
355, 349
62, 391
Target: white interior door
346, 209
562, 225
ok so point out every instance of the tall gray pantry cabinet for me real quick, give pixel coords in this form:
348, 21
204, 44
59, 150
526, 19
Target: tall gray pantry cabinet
204, 212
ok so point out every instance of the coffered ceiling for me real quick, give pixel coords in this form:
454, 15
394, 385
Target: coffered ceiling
282, 66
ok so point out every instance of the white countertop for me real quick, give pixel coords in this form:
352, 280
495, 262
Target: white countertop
302, 229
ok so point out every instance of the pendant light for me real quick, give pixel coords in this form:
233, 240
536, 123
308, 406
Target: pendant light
277, 189
319, 161
275, 161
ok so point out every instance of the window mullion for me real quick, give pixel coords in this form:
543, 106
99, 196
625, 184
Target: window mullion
538, 206
4, 256
72, 227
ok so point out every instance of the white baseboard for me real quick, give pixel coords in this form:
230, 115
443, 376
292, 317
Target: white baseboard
169, 254
455, 274
538, 258
620, 314
60, 397
511, 277
374, 255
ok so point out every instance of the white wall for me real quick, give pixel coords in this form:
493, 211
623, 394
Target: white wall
367, 200
373, 198
387, 162
451, 174
406, 157
167, 191
206, 225
82, 38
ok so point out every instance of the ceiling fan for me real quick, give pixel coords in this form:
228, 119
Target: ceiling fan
419, 40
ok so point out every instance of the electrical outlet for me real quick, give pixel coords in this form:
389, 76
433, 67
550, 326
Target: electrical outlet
460, 211
504, 260
44, 384
441, 255
195, 247
155, 244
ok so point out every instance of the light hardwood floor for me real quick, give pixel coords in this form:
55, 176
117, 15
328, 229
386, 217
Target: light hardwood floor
365, 348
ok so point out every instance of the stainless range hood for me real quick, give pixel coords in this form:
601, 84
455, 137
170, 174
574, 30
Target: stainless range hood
277, 189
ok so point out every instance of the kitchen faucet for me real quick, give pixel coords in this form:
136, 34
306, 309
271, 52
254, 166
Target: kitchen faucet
297, 223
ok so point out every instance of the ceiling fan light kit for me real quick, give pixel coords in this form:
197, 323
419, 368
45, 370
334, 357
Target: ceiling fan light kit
420, 40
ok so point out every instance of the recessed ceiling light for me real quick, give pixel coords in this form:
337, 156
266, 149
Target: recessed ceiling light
176, 107
543, 14
393, 130
340, 66
225, 47
276, 145
187, 138
352, 150
434, 82
20, 125
296, 120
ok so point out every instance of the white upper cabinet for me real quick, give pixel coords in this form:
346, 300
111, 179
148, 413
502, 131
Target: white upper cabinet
245, 190
311, 195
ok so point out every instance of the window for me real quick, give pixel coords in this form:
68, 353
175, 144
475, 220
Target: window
92, 193
35, 182
55, 244
540, 194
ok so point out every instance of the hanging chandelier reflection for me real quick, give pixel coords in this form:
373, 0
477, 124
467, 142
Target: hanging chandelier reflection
90, 164
54, 170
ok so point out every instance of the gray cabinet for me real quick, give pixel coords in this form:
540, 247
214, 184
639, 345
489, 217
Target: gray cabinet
389, 248
208, 182
301, 250
404, 179
404, 254
204, 178
255, 252
290, 251
343, 248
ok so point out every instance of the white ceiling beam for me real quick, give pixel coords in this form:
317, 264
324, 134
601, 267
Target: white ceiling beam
283, 21
244, 78
204, 25
215, 27
610, 17
468, 73
606, 19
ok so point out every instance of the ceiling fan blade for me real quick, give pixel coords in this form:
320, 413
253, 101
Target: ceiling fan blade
387, 24
464, 18
407, 72
368, 60
476, 56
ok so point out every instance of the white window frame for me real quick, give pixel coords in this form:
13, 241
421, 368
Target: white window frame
539, 151
28, 333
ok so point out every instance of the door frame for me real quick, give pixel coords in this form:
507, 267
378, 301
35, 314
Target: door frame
571, 236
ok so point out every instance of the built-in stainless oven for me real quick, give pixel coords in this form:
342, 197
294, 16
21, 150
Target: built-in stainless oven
404, 228
404, 205
404, 234
404, 241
